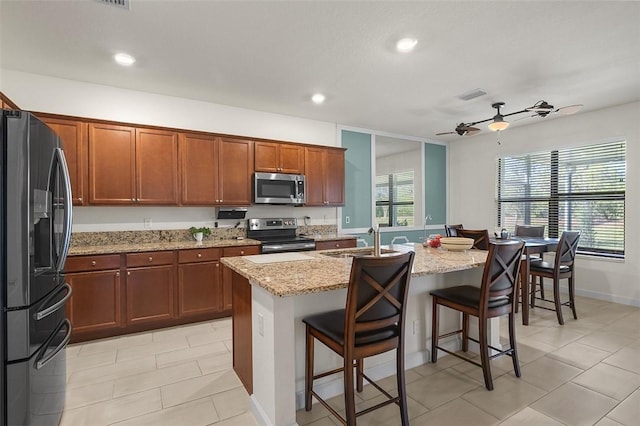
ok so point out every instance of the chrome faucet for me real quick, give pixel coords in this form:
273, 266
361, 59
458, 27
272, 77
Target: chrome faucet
376, 239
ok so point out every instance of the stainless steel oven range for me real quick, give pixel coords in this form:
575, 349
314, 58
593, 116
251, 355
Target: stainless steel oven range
278, 235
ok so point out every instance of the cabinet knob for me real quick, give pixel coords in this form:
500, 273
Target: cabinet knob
217, 265
150, 259
128, 273
241, 252
117, 274
337, 245
93, 263
80, 199
133, 199
199, 255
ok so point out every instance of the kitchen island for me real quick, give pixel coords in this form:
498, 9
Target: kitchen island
271, 295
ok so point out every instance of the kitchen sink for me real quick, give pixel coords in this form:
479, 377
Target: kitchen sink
364, 251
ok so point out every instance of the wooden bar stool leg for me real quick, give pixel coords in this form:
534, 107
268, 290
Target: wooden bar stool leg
359, 375
434, 330
556, 299
349, 394
541, 287
484, 353
402, 385
571, 297
465, 332
512, 342
308, 378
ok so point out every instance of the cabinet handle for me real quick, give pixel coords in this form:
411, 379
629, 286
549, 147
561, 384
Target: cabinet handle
199, 255
117, 274
80, 199
128, 273
133, 199
93, 263
217, 265
150, 259
241, 252
337, 245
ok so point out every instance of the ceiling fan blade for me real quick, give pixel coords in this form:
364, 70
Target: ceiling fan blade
524, 118
445, 133
568, 110
472, 130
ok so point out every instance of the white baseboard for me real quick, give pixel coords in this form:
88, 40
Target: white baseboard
260, 415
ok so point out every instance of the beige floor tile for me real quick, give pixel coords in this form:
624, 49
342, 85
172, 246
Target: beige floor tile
182, 331
606, 340
110, 344
209, 337
439, 388
79, 363
606, 421
325, 421
455, 413
388, 415
557, 336
628, 412
509, 396
229, 345
85, 395
574, 405
245, 419
199, 387
530, 417
316, 413
609, 380
153, 348
476, 373
547, 373
626, 358
222, 323
112, 371
74, 350
527, 354
115, 410
388, 383
154, 379
190, 354
214, 363
579, 355
232, 402
194, 413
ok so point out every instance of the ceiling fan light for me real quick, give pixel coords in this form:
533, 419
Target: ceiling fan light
498, 124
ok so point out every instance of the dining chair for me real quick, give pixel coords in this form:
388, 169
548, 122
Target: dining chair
495, 297
373, 322
452, 230
561, 268
529, 231
480, 237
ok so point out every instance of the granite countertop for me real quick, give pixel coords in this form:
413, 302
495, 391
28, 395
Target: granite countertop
331, 237
324, 273
157, 246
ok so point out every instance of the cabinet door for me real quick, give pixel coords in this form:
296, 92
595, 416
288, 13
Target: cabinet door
95, 303
291, 158
266, 157
235, 169
199, 288
150, 294
198, 169
334, 177
111, 164
314, 176
73, 138
156, 167
227, 288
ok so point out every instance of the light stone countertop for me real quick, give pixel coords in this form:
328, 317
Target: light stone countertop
324, 273
158, 246
331, 237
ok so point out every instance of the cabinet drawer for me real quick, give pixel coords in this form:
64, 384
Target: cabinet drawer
241, 251
335, 244
150, 258
198, 255
92, 263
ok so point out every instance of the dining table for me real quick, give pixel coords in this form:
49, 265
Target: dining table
532, 246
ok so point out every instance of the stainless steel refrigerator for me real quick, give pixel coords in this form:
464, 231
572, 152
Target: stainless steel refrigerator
35, 217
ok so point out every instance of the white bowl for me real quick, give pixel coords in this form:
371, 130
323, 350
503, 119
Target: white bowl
456, 243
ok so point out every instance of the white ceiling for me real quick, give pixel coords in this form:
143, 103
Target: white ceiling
271, 56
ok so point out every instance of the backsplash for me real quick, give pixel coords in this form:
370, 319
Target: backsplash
80, 239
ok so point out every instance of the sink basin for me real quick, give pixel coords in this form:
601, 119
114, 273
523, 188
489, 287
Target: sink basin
364, 251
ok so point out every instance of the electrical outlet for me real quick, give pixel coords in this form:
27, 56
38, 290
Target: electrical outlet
148, 223
416, 326
261, 324
347, 219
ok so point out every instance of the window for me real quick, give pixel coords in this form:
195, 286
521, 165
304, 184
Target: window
395, 199
579, 188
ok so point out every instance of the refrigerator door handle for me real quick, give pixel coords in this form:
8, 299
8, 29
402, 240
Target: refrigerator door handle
67, 210
51, 309
41, 361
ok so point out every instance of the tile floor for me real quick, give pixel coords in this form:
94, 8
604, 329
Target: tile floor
586, 372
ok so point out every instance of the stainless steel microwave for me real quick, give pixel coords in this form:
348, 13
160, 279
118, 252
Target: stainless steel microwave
278, 188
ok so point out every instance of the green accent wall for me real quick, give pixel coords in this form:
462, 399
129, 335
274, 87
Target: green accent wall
435, 183
357, 206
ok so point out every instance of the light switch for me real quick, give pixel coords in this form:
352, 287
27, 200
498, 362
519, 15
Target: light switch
148, 223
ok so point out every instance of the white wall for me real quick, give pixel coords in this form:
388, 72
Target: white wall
472, 176
47, 94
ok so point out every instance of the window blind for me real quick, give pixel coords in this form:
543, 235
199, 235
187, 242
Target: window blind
580, 188
395, 199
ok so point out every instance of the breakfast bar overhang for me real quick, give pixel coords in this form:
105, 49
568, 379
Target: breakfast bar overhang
271, 294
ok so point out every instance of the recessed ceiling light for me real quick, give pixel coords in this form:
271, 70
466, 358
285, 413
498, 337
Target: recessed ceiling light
405, 45
318, 98
124, 59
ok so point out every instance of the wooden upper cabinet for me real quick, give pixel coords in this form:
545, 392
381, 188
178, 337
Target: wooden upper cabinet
132, 166
324, 176
235, 170
274, 157
73, 136
198, 169
111, 164
156, 167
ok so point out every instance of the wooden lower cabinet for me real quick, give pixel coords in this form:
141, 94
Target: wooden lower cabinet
85, 314
227, 298
150, 294
199, 282
336, 244
242, 329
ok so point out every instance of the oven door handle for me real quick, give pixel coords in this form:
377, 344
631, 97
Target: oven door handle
51, 309
40, 360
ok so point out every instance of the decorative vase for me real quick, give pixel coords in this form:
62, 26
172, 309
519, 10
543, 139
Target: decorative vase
198, 236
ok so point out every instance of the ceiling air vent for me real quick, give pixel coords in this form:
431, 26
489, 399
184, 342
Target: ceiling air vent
119, 3
472, 94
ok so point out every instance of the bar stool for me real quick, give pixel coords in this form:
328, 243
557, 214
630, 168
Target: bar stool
371, 323
561, 268
480, 237
495, 297
452, 230
529, 231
